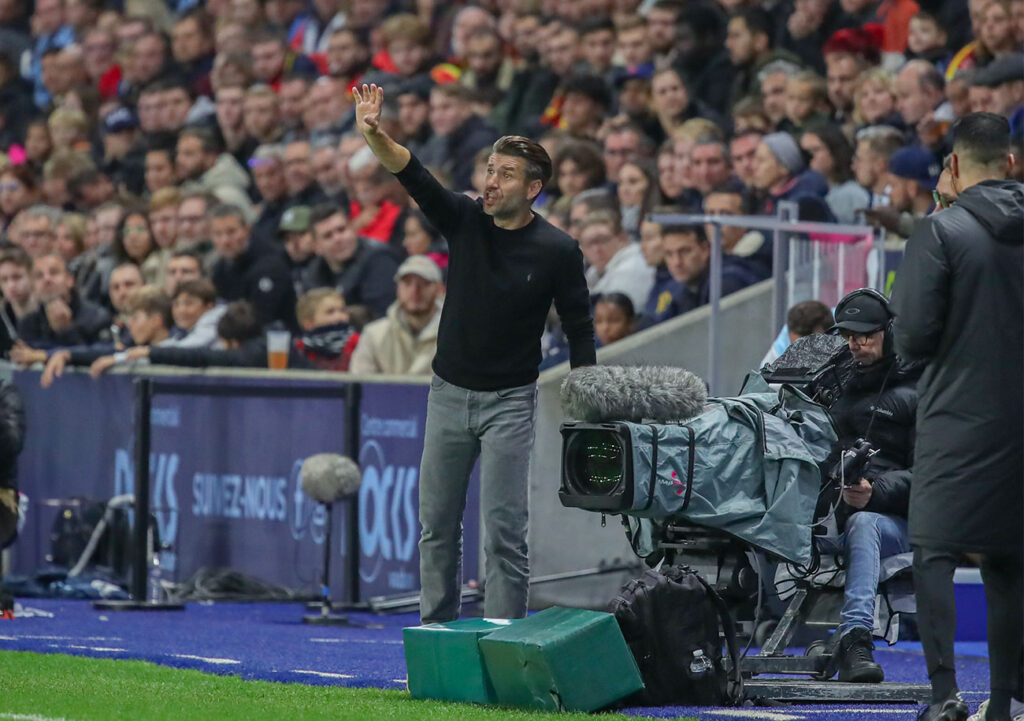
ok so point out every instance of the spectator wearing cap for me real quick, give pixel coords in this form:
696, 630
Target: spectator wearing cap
780, 174
405, 341
296, 236
633, 95
361, 268
123, 161
912, 175
458, 134
1005, 76
413, 129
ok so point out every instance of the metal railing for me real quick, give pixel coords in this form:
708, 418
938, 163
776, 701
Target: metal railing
786, 233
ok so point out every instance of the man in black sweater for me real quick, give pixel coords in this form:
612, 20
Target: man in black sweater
507, 266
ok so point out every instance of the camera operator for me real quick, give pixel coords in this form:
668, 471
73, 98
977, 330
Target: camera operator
877, 402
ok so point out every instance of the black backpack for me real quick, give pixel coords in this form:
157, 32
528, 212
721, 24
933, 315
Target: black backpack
665, 618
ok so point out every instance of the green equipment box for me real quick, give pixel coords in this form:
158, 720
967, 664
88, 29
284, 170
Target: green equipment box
444, 663
561, 659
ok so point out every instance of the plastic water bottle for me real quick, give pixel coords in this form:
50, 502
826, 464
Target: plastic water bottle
700, 664
154, 588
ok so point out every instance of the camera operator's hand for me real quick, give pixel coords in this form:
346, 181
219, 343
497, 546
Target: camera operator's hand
857, 496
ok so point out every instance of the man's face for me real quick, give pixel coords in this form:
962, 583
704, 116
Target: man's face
191, 162
187, 41
299, 246
260, 115
447, 113
483, 56
669, 93
867, 165
345, 56
821, 157
176, 104
193, 226
98, 50
230, 236
325, 168
634, 46
348, 147
507, 191
187, 309
724, 204
124, 280
48, 17
742, 151
293, 97
580, 112
635, 96
599, 244
163, 222
903, 191
866, 348
598, 48
107, 221
230, 101
406, 56
413, 112
708, 166
179, 270
661, 29
773, 88
367, 190
913, 102
269, 177
562, 52
36, 236
147, 58
267, 60
841, 79
151, 112
416, 295
50, 279
159, 171
15, 283
335, 241
685, 257
298, 171
739, 42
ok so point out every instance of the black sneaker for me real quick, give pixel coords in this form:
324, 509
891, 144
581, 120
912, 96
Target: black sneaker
953, 708
856, 658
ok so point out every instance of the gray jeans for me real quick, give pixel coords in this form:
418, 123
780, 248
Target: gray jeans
497, 427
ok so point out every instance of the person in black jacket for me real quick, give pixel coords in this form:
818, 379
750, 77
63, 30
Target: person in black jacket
959, 300
507, 267
877, 403
64, 318
249, 269
12, 438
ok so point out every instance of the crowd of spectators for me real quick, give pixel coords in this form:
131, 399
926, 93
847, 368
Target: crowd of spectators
177, 176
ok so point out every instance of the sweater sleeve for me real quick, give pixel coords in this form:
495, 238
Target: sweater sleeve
445, 209
572, 301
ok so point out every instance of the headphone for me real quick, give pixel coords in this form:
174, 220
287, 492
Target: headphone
887, 345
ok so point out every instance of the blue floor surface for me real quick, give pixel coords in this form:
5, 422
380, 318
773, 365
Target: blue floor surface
270, 642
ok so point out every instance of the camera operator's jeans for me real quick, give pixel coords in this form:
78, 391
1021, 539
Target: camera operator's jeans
868, 538
497, 427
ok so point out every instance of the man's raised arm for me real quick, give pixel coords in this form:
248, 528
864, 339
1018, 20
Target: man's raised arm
392, 156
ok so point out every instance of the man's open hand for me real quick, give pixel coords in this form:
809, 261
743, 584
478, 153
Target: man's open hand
368, 102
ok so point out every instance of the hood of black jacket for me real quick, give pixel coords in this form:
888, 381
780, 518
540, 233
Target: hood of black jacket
999, 206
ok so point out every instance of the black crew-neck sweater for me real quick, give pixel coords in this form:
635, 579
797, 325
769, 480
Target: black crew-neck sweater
501, 284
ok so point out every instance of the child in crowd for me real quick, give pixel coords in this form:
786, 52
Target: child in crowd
196, 314
614, 317
927, 41
328, 337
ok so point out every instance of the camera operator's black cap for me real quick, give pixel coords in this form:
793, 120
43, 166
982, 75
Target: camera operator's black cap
863, 313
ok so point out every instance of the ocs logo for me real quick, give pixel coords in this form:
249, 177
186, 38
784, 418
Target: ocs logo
387, 510
163, 500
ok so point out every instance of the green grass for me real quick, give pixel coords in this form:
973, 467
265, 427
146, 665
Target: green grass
53, 686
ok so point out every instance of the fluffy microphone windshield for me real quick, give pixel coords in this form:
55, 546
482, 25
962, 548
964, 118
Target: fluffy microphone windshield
618, 393
329, 477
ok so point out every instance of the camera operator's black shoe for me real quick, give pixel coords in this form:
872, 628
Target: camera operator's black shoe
953, 708
856, 658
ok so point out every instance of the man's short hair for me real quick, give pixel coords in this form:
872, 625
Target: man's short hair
602, 217
595, 199
676, 229
165, 198
209, 142
982, 139
190, 253
227, 210
538, 162
204, 195
456, 91
757, 22
404, 26
305, 309
323, 211
201, 288
151, 300
882, 140
239, 322
18, 257
52, 214
595, 24
808, 317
